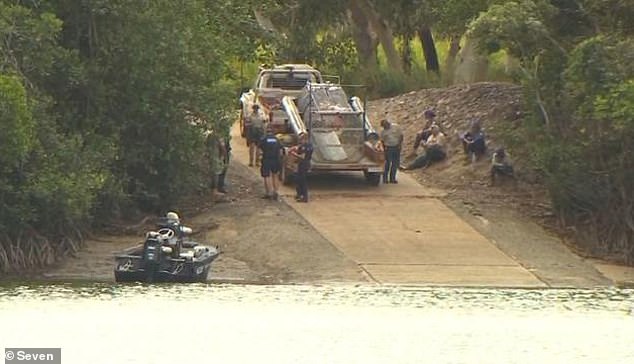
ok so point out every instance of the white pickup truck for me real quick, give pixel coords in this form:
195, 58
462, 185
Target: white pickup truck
271, 86
295, 99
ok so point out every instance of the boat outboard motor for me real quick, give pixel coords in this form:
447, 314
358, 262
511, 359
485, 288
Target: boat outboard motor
152, 249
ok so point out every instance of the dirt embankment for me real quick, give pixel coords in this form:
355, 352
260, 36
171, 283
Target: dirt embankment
499, 108
518, 217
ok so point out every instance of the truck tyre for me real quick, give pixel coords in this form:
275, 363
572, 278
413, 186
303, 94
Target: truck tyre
373, 178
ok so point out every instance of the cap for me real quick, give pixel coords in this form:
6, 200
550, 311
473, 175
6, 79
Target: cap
172, 215
429, 113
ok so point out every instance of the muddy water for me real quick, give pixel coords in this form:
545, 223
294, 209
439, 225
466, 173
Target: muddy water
105, 323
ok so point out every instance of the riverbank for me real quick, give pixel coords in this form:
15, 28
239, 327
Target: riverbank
261, 241
267, 242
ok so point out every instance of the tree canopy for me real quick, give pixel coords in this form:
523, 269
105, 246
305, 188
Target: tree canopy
105, 105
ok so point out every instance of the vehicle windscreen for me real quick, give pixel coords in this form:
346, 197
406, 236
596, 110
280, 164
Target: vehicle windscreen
287, 80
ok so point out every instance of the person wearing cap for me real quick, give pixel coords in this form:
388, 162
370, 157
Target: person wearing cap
304, 150
425, 132
473, 141
271, 163
173, 223
501, 165
255, 132
392, 140
174, 220
435, 150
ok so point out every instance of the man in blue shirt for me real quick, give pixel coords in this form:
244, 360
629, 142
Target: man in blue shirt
271, 163
473, 141
305, 153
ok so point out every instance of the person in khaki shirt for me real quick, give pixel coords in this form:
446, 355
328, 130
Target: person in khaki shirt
392, 140
256, 125
435, 149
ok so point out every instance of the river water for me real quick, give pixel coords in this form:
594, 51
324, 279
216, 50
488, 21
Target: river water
108, 323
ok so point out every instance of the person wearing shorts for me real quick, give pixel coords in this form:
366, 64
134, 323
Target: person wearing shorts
271, 163
255, 132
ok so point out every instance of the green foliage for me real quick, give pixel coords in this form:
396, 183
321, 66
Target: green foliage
516, 26
156, 76
580, 99
597, 65
104, 104
617, 107
453, 16
16, 124
614, 15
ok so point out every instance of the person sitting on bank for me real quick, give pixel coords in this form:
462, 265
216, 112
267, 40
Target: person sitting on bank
255, 132
501, 165
435, 150
473, 141
392, 141
425, 132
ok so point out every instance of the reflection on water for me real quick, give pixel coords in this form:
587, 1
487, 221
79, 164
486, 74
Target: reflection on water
105, 323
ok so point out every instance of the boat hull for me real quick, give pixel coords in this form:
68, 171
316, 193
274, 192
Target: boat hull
133, 268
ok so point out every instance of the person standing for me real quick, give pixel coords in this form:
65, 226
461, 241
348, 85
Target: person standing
224, 151
255, 132
218, 150
392, 139
271, 163
305, 153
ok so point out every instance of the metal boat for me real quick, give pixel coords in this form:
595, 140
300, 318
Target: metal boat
165, 256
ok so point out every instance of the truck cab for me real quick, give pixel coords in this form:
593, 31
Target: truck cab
271, 85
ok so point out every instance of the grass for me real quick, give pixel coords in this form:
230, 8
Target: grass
386, 82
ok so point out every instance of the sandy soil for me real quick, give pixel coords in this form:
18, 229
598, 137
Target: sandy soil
262, 241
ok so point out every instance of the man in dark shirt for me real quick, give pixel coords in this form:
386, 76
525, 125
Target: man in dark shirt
271, 163
473, 141
305, 153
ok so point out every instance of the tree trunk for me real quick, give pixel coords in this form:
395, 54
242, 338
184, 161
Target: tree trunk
429, 49
406, 54
472, 66
383, 32
450, 62
365, 42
